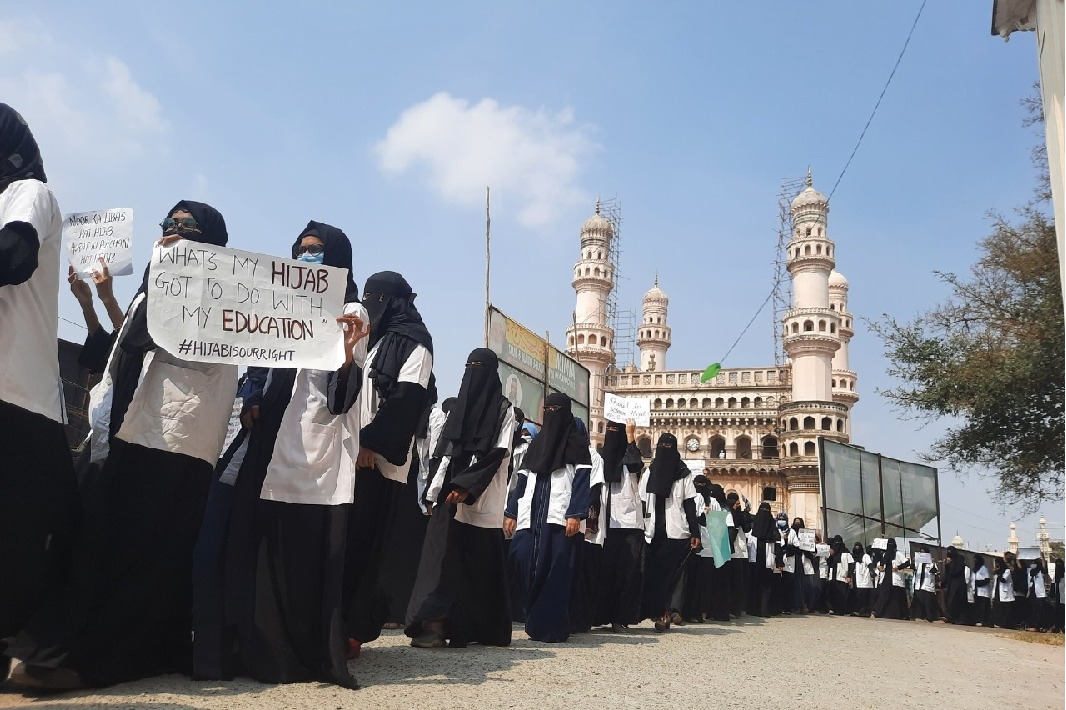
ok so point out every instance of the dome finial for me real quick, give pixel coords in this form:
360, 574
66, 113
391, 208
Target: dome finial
656, 284
597, 205
810, 180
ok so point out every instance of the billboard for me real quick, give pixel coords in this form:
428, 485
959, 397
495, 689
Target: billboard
867, 495
528, 362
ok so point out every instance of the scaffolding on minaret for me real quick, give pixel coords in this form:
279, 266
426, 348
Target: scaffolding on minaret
621, 321
782, 291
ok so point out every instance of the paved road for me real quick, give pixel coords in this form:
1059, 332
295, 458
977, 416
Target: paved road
808, 662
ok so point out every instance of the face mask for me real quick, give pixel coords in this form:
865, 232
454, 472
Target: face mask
782, 524
309, 258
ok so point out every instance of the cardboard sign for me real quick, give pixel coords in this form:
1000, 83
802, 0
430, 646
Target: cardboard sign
923, 558
105, 234
211, 304
821, 550
806, 539
619, 409
879, 543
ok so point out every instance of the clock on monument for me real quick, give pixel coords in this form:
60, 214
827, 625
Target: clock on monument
692, 444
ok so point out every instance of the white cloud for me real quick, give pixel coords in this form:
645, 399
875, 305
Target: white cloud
531, 157
86, 110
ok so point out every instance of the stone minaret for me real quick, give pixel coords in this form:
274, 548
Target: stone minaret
844, 381
590, 339
653, 336
811, 339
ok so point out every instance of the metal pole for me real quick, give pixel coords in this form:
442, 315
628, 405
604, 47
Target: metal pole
936, 487
880, 490
488, 264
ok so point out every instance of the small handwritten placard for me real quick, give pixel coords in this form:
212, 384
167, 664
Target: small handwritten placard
104, 234
620, 409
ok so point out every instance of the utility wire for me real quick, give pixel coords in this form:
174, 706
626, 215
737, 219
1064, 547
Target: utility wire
874, 112
749, 324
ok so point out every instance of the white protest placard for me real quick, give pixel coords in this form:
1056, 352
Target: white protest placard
879, 543
104, 234
821, 550
234, 426
806, 539
211, 304
923, 558
619, 409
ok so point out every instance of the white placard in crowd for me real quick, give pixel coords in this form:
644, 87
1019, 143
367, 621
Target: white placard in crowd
923, 558
821, 550
619, 409
104, 234
806, 539
879, 543
234, 426
210, 304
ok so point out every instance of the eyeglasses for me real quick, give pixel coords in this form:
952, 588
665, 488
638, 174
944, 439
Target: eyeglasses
309, 249
181, 225
551, 407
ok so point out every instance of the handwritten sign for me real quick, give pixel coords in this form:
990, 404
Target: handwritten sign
105, 234
923, 558
879, 543
806, 539
210, 304
821, 550
619, 409
234, 426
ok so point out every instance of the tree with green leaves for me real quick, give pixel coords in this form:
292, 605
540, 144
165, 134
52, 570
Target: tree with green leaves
992, 357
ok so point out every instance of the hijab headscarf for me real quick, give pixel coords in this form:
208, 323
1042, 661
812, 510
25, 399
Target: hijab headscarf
978, 562
559, 441
20, 158
390, 303
448, 404
337, 252
702, 484
210, 229
718, 493
396, 328
666, 467
763, 526
857, 551
615, 444
475, 417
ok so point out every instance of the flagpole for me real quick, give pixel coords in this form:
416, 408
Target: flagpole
488, 264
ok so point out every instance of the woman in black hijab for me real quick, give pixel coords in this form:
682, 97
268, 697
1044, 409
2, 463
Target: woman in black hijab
766, 575
670, 527
460, 593
622, 568
891, 594
269, 565
544, 513
398, 386
38, 494
127, 611
956, 604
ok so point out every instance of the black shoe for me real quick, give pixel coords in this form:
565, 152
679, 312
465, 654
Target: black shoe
619, 628
42, 678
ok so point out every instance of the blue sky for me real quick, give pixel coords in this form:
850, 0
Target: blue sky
389, 119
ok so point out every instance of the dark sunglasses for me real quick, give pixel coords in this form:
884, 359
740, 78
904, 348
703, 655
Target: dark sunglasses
183, 224
309, 249
551, 407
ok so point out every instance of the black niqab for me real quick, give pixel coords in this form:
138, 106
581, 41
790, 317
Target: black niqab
559, 442
20, 158
390, 303
615, 443
337, 252
519, 419
764, 526
475, 417
666, 467
718, 493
